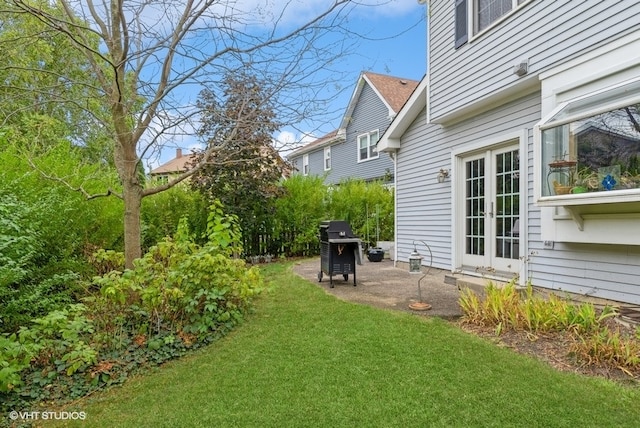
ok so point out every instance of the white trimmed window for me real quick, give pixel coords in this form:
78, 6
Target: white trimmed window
305, 164
367, 146
484, 13
327, 158
591, 145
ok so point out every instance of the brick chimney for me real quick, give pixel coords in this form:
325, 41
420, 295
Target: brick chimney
178, 153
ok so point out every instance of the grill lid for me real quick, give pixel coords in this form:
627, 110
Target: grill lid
335, 229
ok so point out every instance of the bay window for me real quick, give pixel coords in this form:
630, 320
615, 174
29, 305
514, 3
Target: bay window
591, 144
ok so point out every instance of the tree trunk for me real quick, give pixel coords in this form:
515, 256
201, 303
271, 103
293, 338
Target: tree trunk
132, 193
127, 161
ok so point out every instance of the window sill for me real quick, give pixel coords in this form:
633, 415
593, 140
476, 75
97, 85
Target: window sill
368, 159
612, 204
591, 198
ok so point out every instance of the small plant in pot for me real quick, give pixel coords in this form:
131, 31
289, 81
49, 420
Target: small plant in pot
628, 181
585, 180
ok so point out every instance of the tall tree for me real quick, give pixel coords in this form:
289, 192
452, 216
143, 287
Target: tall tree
43, 78
150, 55
244, 171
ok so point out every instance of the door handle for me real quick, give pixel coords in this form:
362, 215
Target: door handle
491, 213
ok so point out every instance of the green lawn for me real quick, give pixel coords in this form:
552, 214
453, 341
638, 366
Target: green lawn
306, 359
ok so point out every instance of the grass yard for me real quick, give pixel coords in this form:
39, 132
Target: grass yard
306, 359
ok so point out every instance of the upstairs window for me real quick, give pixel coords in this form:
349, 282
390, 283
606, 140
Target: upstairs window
484, 13
327, 158
305, 164
367, 146
592, 143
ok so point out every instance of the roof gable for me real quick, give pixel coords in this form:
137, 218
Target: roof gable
176, 165
392, 91
390, 140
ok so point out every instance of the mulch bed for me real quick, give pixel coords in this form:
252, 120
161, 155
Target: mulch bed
555, 349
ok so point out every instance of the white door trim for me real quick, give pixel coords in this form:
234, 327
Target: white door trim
457, 164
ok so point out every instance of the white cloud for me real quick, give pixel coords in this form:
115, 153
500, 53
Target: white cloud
296, 12
287, 141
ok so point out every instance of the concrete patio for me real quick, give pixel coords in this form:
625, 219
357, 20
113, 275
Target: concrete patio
382, 285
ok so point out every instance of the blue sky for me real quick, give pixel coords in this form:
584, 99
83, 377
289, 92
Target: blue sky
389, 38
393, 42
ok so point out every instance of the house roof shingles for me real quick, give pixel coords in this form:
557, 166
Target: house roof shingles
395, 90
175, 165
313, 144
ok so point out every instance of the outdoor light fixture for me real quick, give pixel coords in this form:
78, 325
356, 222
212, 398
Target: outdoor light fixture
415, 261
415, 266
442, 174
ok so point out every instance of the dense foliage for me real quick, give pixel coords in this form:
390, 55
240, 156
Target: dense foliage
178, 296
162, 212
368, 207
243, 169
47, 230
306, 201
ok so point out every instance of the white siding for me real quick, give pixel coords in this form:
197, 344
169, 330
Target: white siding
369, 114
546, 33
424, 205
425, 208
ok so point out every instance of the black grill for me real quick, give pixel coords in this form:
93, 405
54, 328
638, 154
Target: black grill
340, 250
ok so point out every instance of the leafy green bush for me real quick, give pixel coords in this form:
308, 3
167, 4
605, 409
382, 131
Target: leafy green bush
183, 287
307, 201
179, 295
162, 212
57, 342
33, 281
46, 231
367, 206
299, 212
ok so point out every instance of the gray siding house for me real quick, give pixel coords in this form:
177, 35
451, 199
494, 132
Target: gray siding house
518, 154
351, 151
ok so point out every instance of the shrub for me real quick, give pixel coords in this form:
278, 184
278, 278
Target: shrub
179, 295
366, 206
56, 343
45, 230
162, 212
179, 286
506, 308
299, 212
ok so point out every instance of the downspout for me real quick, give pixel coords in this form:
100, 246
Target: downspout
393, 156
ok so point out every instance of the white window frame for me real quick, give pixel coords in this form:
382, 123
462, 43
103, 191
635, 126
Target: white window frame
327, 158
473, 21
372, 152
305, 164
622, 195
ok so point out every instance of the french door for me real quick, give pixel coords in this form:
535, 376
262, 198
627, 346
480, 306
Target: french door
490, 210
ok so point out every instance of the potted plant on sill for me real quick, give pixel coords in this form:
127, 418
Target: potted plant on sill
628, 181
584, 180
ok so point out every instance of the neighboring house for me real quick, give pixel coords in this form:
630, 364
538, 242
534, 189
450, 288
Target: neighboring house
351, 151
182, 163
520, 94
174, 167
